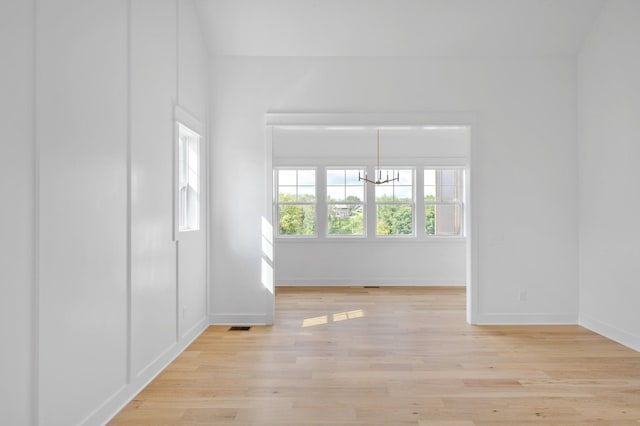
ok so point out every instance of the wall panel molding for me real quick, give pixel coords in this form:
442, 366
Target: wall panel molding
122, 397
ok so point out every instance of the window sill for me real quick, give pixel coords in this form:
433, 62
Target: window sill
370, 240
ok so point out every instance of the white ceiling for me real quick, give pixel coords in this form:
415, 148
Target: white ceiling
512, 28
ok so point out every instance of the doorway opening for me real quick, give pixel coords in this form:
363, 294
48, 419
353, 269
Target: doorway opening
306, 154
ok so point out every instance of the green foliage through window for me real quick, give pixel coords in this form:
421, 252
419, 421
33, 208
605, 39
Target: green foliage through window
344, 200
296, 202
345, 207
297, 220
430, 216
345, 219
394, 204
394, 219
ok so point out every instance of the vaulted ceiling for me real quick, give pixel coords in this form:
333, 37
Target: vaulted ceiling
443, 28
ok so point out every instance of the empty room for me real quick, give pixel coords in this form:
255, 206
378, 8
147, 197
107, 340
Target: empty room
320, 212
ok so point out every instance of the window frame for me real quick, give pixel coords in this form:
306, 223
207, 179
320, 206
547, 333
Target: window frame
188, 205
328, 203
459, 202
411, 203
277, 203
418, 204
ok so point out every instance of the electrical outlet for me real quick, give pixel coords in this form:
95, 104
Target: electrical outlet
523, 296
184, 312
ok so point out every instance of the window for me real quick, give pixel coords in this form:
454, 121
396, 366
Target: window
443, 201
296, 202
330, 202
394, 204
345, 202
188, 179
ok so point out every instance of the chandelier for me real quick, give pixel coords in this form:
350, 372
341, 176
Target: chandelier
379, 180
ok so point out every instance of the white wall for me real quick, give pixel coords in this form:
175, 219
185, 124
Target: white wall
17, 254
81, 127
388, 263
609, 107
153, 251
192, 96
165, 47
371, 261
523, 150
89, 291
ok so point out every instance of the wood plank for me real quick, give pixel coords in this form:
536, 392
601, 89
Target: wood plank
392, 356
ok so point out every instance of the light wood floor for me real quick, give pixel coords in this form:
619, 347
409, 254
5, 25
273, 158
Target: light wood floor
392, 356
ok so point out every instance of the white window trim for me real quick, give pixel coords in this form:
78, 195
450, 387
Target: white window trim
182, 117
370, 205
364, 203
461, 202
412, 203
190, 132
277, 203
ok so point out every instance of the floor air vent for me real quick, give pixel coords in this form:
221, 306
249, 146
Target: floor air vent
371, 286
239, 328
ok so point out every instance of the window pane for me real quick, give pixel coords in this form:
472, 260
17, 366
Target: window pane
430, 193
429, 177
306, 193
287, 177
394, 219
307, 177
355, 193
188, 179
442, 219
335, 177
335, 193
352, 177
447, 219
406, 177
449, 193
442, 185
296, 219
345, 219
449, 177
430, 219
287, 194
403, 193
384, 192
401, 190
183, 164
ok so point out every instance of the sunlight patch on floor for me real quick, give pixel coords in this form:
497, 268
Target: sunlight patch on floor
337, 317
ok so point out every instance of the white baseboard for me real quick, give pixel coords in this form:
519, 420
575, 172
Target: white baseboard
526, 319
124, 395
396, 282
610, 332
238, 319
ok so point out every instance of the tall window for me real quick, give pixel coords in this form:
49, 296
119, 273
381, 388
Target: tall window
188, 179
345, 202
394, 204
296, 202
443, 201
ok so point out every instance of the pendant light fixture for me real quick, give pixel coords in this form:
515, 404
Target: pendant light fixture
379, 180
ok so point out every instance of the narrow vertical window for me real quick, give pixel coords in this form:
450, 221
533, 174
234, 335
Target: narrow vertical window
394, 204
188, 179
345, 202
443, 201
296, 202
